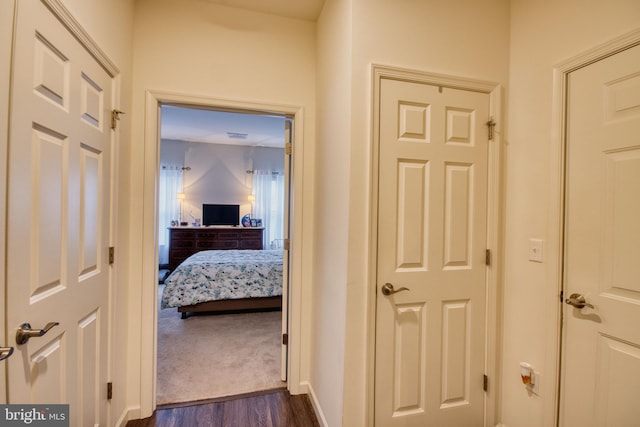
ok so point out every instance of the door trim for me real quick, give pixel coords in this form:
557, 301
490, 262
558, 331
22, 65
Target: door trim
148, 312
494, 227
58, 9
7, 11
551, 408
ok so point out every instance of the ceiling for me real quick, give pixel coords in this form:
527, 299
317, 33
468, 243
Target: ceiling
220, 127
308, 10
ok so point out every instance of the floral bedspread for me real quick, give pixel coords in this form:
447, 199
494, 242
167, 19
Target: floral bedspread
224, 274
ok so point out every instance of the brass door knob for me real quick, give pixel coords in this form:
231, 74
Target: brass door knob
578, 301
387, 289
25, 332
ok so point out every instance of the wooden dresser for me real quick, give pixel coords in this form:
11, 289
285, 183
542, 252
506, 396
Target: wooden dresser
185, 241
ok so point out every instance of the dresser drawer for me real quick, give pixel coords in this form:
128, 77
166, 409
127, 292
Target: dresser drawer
218, 235
251, 234
181, 234
251, 244
181, 253
203, 245
182, 244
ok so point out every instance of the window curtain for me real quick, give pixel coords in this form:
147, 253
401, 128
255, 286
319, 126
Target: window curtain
268, 188
168, 207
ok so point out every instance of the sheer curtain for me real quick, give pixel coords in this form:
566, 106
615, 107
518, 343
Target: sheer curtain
168, 207
268, 188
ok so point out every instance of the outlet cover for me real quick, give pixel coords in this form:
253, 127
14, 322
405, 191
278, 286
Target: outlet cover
536, 383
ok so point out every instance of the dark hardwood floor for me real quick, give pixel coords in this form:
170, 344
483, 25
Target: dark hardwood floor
271, 408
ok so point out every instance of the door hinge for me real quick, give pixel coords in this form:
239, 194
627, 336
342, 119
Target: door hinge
115, 116
485, 383
288, 148
285, 339
112, 255
109, 391
286, 244
487, 257
561, 297
491, 124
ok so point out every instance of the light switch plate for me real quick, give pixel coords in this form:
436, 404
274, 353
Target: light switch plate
535, 250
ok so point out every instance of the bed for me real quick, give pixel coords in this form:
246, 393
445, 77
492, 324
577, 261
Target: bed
224, 280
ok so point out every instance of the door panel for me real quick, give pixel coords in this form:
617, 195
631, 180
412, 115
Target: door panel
430, 339
455, 353
58, 215
410, 358
601, 344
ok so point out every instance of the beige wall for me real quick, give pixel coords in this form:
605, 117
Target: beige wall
110, 24
201, 49
434, 36
543, 34
331, 243
442, 37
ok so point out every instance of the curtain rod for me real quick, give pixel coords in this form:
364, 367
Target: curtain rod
251, 172
184, 168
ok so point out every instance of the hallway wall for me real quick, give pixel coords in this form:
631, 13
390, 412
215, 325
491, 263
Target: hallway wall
543, 34
212, 51
463, 38
328, 371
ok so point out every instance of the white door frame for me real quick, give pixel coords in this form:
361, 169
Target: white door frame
494, 226
7, 10
557, 205
148, 308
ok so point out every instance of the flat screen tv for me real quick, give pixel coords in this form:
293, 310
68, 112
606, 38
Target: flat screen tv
220, 214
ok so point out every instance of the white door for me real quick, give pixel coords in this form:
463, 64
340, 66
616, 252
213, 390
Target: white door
601, 344
58, 218
430, 339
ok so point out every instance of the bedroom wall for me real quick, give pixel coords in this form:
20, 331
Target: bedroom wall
218, 172
208, 50
544, 33
464, 38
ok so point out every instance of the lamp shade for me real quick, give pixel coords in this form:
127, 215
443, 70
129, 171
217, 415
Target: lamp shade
180, 196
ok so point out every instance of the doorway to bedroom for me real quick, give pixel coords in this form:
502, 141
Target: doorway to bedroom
223, 215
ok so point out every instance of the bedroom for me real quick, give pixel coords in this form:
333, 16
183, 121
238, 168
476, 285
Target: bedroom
218, 171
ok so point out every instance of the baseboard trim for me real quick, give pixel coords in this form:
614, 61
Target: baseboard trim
128, 414
123, 420
301, 388
316, 405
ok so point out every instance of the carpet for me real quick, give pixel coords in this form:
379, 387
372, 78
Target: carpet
217, 355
